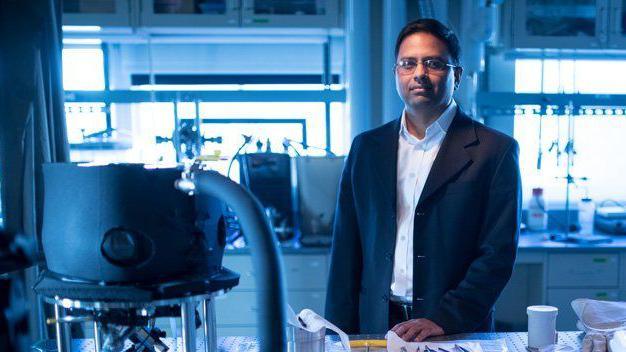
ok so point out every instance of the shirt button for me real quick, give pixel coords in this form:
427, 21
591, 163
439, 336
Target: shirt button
412, 174
419, 214
403, 238
388, 256
384, 298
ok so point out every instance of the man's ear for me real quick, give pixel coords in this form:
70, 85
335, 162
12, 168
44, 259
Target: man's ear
458, 73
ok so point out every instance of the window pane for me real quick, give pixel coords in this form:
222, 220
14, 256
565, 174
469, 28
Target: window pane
84, 120
597, 132
83, 69
597, 140
150, 127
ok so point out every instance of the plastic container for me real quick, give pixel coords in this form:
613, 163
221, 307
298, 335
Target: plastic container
586, 214
537, 219
541, 326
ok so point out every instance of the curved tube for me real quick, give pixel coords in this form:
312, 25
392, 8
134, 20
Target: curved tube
265, 257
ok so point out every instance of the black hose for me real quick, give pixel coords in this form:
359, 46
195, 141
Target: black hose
266, 259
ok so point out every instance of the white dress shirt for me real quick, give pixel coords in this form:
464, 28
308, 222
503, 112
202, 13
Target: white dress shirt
415, 159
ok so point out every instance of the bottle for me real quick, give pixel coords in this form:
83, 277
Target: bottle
586, 213
537, 219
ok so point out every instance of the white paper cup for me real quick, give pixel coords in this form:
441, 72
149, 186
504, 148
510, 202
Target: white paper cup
541, 326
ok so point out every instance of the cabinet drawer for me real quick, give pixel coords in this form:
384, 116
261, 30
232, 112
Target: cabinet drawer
240, 308
313, 300
224, 331
622, 263
562, 298
241, 264
583, 270
302, 272
236, 308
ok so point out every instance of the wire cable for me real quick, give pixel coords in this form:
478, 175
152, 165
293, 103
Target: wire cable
246, 140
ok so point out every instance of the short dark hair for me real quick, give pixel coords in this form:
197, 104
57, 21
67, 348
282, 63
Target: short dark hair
435, 28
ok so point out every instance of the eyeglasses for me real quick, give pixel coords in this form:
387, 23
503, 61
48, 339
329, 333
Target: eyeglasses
408, 66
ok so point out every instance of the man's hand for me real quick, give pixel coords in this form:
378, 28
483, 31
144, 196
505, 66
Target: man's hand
417, 330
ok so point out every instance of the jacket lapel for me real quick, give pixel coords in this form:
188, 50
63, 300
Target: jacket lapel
385, 163
452, 156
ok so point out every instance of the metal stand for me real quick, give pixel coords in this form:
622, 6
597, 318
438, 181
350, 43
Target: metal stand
210, 335
63, 333
187, 316
97, 336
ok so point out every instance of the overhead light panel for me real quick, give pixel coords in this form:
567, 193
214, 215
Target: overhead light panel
82, 41
81, 28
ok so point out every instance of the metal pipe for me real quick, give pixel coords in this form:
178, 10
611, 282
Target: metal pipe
265, 256
97, 338
62, 333
210, 334
188, 317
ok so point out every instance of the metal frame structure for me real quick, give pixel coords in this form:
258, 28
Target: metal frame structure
504, 103
187, 316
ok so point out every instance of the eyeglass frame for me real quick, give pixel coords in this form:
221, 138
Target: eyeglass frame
395, 66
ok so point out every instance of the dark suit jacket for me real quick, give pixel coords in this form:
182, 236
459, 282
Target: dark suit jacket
465, 234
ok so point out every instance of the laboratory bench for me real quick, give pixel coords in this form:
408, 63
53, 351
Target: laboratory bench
545, 272
515, 342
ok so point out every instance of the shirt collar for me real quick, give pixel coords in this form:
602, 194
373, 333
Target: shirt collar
439, 126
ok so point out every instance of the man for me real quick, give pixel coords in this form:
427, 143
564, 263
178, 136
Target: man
428, 213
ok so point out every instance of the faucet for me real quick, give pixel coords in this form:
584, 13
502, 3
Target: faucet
265, 257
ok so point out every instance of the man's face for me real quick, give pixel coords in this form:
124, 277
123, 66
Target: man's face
425, 87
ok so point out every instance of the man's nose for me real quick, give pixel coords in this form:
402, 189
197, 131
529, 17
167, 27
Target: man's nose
420, 71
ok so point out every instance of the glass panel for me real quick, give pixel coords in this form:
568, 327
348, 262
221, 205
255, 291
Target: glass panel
86, 122
570, 76
565, 18
212, 7
594, 136
597, 131
289, 7
83, 69
89, 6
622, 17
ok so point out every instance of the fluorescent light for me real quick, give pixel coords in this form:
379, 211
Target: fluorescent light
82, 41
82, 28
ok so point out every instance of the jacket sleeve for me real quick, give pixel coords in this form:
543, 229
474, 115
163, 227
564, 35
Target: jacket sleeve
465, 308
342, 296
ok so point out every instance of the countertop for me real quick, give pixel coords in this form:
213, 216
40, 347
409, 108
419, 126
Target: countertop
528, 241
516, 342
539, 242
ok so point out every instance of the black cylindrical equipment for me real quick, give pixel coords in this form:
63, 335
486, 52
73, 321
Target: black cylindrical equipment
127, 223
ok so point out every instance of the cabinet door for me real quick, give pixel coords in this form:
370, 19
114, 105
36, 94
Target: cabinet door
617, 24
104, 13
301, 272
237, 308
313, 300
239, 331
240, 307
306, 272
189, 13
560, 24
241, 264
562, 299
289, 13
